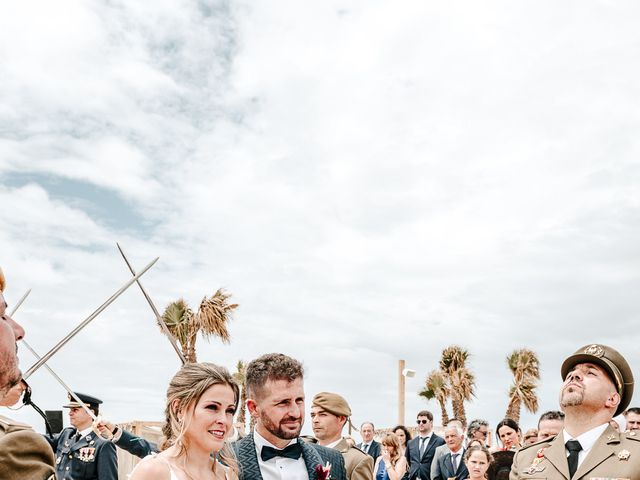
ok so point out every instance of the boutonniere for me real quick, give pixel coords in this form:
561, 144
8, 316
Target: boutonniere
323, 473
534, 468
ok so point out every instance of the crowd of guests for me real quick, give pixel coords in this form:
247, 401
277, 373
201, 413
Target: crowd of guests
202, 399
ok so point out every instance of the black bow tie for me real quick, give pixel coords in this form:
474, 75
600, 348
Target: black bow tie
292, 451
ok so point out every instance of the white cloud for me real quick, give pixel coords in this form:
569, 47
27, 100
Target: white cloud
371, 182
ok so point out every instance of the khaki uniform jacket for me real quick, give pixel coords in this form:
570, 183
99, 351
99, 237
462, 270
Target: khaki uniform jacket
358, 464
24, 454
613, 456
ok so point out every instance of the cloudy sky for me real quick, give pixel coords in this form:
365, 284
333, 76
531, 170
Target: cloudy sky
371, 181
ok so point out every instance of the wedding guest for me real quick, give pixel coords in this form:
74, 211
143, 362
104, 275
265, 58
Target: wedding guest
550, 424
368, 444
403, 435
477, 460
530, 437
508, 434
390, 465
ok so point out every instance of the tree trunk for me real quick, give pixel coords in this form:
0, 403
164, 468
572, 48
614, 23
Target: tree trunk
243, 409
190, 354
513, 409
443, 412
458, 408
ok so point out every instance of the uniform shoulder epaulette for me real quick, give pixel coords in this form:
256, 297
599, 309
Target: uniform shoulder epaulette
538, 444
359, 449
633, 435
9, 424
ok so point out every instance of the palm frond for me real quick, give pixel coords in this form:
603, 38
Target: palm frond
214, 314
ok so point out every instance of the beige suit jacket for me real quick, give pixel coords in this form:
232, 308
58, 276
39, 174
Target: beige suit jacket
24, 454
358, 464
613, 456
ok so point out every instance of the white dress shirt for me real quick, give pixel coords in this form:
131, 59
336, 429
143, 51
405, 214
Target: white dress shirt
587, 440
279, 468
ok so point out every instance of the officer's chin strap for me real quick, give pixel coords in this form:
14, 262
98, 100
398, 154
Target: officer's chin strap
26, 400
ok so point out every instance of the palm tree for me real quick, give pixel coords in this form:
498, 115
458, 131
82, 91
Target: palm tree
460, 379
241, 377
210, 320
525, 367
436, 386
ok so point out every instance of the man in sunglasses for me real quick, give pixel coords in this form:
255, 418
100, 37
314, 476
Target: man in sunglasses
421, 449
478, 430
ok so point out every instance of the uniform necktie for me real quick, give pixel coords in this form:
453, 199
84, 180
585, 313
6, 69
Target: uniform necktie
78, 437
574, 448
293, 451
454, 461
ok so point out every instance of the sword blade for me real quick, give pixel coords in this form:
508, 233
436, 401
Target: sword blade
60, 381
22, 299
85, 322
159, 318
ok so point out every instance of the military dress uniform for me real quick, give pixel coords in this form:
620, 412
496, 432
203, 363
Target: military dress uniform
84, 457
613, 456
89, 457
24, 454
359, 465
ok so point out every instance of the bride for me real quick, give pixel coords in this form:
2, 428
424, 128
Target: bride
201, 401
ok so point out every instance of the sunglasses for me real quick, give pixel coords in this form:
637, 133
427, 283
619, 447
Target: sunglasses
422, 421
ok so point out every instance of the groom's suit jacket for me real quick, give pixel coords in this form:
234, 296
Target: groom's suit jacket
313, 455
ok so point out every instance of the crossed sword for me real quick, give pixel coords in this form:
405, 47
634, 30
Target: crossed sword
42, 361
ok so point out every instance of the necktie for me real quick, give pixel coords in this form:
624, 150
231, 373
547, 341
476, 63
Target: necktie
423, 442
78, 437
366, 447
574, 448
293, 451
454, 461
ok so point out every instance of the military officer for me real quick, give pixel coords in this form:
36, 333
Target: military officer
598, 384
81, 454
329, 413
24, 454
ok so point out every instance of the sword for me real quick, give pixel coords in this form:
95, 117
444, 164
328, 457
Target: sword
161, 321
17, 306
69, 391
85, 322
60, 381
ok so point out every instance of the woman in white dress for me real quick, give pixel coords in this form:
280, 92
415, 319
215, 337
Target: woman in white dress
201, 401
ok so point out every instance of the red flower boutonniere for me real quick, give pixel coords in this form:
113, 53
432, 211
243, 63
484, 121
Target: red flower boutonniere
322, 473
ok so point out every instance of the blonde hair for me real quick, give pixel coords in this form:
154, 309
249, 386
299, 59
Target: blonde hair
185, 389
391, 440
3, 282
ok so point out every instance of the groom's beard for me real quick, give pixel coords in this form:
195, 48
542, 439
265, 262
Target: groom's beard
285, 429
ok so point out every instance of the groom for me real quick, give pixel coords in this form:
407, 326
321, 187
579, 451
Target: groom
275, 451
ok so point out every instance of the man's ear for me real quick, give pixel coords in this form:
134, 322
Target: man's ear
252, 407
613, 401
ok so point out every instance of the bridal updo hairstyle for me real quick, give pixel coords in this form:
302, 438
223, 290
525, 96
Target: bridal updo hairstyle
185, 389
